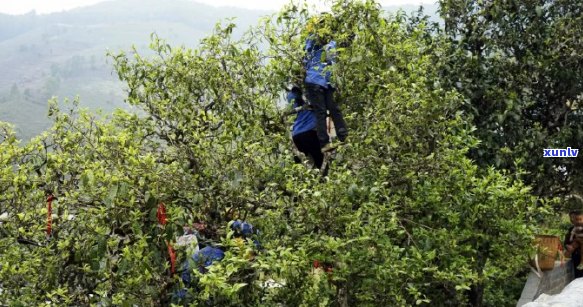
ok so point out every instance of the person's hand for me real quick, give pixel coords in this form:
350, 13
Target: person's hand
568, 250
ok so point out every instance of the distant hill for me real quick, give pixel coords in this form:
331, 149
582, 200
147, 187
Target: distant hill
64, 54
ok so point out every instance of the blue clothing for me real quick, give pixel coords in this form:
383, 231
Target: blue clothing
243, 228
306, 120
204, 258
208, 255
318, 58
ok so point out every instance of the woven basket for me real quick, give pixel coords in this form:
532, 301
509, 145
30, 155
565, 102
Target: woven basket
547, 248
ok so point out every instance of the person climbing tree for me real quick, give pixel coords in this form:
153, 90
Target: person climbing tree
320, 56
303, 132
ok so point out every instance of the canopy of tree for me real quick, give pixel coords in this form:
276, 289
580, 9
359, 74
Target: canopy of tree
432, 202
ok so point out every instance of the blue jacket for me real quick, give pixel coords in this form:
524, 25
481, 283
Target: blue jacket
203, 258
317, 59
306, 120
243, 228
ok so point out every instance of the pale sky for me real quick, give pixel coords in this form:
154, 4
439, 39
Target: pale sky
49, 6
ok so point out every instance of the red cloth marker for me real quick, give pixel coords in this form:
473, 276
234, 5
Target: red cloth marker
50, 199
172, 254
161, 214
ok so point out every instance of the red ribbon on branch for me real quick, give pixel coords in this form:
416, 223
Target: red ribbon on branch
172, 254
50, 199
161, 214
162, 220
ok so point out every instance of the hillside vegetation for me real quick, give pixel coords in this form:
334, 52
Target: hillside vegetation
64, 54
434, 201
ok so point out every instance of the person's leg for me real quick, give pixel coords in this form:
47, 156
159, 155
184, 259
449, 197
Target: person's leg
299, 143
578, 255
295, 151
576, 259
337, 118
315, 95
307, 142
313, 148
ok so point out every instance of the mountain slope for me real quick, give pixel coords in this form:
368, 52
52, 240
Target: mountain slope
64, 54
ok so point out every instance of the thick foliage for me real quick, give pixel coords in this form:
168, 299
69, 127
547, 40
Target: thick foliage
404, 217
518, 65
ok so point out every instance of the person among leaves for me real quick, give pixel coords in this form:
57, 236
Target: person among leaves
304, 133
574, 241
195, 257
244, 230
202, 257
320, 51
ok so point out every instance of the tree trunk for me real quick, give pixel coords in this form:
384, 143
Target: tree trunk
342, 294
477, 295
